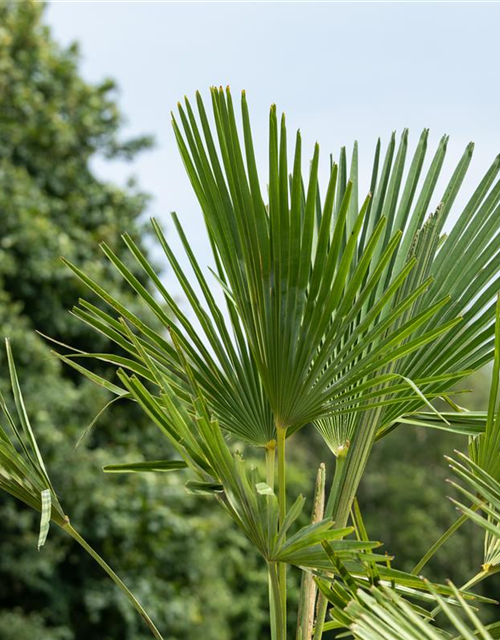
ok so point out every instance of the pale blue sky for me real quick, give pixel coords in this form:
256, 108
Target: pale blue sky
339, 71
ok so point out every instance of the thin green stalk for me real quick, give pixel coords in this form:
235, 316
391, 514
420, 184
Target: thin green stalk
278, 613
76, 536
282, 512
479, 577
270, 457
440, 541
322, 604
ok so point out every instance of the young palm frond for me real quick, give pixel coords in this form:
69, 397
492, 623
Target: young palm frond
463, 265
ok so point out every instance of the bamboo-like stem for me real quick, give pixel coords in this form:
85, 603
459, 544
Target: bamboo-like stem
282, 512
441, 540
308, 589
121, 585
322, 604
270, 458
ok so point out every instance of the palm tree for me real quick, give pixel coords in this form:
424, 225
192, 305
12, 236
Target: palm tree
349, 316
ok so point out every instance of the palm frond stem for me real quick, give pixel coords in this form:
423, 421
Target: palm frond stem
441, 540
270, 472
278, 613
281, 435
118, 581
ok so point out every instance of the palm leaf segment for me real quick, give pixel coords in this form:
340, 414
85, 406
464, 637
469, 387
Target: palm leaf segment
323, 299
22, 469
463, 265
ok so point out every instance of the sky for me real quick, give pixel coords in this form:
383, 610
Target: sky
340, 71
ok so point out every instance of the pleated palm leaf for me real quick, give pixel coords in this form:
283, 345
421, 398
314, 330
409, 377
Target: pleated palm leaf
463, 265
320, 306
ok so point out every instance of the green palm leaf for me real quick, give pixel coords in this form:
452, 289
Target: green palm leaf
347, 316
463, 265
382, 614
484, 494
22, 469
320, 304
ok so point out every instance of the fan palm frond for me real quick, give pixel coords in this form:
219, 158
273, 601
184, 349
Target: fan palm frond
321, 306
463, 265
351, 316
